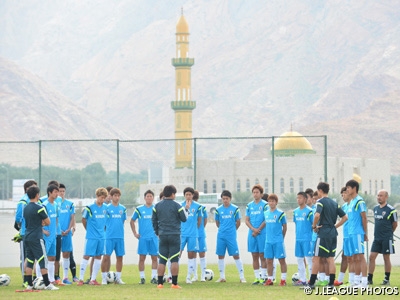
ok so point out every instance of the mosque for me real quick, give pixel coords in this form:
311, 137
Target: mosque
292, 164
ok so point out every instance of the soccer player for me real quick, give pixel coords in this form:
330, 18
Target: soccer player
385, 224
358, 232
310, 202
66, 217
325, 225
166, 219
148, 241
202, 249
35, 217
50, 231
189, 230
256, 235
275, 226
303, 217
94, 219
116, 216
346, 257
19, 224
227, 219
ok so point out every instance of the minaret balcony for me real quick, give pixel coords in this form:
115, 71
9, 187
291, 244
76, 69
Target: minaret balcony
183, 62
183, 105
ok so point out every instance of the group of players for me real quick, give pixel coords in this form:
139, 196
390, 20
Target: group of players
315, 220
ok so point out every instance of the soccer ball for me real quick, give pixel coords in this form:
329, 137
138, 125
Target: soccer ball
38, 284
4, 279
208, 274
295, 277
111, 277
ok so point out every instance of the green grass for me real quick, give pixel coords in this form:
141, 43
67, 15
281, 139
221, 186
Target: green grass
232, 289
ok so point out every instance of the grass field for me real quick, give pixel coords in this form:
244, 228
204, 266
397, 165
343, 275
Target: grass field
232, 289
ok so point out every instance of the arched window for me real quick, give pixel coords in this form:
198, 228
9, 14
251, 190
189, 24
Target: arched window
376, 187
381, 184
205, 190
247, 185
214, 186
256, 181
291, 186
266, 185
301, 184
238, 185
282, 184
223, 184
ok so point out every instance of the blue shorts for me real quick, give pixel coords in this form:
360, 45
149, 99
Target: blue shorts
115, 244
66, 243
192, 243
94, 247
230, 244
256, 244
202, 244
274, 250
148, 246
356, 244
312, 245
50, 246
303, 249
346, 247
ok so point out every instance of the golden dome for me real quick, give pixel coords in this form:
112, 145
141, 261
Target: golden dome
357, 177
182, 26
291, 143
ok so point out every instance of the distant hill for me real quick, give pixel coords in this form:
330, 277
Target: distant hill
327, 67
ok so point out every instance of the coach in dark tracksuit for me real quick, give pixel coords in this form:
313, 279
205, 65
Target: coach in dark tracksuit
167, 217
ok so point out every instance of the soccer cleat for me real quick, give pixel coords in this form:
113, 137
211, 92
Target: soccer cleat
160, 286
322, 283
194, 279
93, 282
51, 287
66, 281
274, 280
203, 279
104, 282
153, 281
175, 286
25, 284
385, 282
87, 281
142, 281
337, 283
360, 286
188, 281
256, 281
370, 282
221, 280
243, 280
28, 288
282, 283
119, 281
58, 282
268, 282
300, 283
308, 287
80, 282
75, 279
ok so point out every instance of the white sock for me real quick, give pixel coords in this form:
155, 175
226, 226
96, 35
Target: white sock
169, 268
38, 272
104, 276
364, 280
50, 270
65, 267
351, 277
118, 274
195, 267
142, 275
257, 273
283, 276
83, 268
274, 269
309, 265
322, 276
239, 266
357, 279
96, 268
221, 267
301, 268
203, 266
341, 277
263, 273
153, 273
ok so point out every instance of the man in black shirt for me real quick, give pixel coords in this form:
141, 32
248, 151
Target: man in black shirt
325, 225
35, 217
385, 224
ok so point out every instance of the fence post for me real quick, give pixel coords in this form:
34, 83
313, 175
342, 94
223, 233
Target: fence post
273, 164
326, 158
117, 163
194, 163
40, 163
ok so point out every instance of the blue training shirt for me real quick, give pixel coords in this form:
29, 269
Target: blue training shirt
189, 228
227, 217
52, 212
116, 216
303, 218
143, 214
273, 224
96, 217
202, 230
354, 210
346, 224
19, 215
255, 212
66, 210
